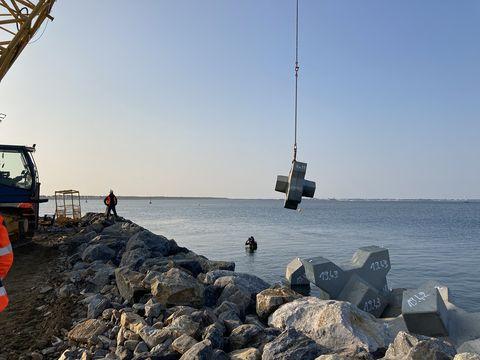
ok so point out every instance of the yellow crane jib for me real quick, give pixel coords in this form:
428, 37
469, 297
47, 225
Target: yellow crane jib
19, 22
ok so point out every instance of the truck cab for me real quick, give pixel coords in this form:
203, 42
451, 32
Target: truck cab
19, 189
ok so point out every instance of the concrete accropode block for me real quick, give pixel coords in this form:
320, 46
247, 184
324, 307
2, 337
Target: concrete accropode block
295, 186
425, 312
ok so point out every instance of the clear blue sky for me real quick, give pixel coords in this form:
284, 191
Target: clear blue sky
196, 97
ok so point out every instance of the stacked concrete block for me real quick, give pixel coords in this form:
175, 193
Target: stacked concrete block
442, 289
295, 186
326, 275
373, 264
295, 273
363, 282
363, 295
425, 312
394, 303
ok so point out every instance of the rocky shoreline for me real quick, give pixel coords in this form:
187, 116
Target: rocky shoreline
139, 295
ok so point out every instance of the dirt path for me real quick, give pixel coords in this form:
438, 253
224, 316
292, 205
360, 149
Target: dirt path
33, 318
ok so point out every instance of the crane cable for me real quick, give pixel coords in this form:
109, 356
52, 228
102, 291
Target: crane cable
297, 68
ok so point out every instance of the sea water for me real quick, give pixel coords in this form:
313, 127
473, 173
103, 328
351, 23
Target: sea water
427, 239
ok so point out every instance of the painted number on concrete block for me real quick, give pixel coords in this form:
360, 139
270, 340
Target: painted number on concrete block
417, 299
329, 275
372, 304
379, 265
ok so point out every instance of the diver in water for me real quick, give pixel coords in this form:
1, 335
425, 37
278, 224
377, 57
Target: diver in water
251, 244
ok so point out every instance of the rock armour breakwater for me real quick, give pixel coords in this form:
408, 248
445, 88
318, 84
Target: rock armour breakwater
138, 295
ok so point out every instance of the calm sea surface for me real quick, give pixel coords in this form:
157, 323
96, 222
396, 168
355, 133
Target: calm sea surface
427, 240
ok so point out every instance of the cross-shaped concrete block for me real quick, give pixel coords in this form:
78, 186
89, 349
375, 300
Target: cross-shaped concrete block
371, 263
363, 295
295, 186
363, 282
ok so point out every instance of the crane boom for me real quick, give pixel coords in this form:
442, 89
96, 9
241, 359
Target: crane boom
19, 21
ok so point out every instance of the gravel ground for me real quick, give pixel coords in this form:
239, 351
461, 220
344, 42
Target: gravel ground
34, 318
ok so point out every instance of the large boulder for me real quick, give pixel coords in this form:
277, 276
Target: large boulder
176, 287
472, 346
134, 259
238, 295
87, 331
246, 336
214, 333
245, 354
211, 276
227, 306
467, 356
271, 299
292, 345
99, 276
98, 252
157, 245
219, 355
200, 351
175, 312
191, 265
132, 322
70, 354
251, 283
219, 265
411, 347
184, 325
230, 320
183, 343
153, 309
129, 284
125, 228
337, 326
153, 336
96, 305
239, 288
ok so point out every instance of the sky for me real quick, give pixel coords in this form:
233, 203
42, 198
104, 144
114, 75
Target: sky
195, 98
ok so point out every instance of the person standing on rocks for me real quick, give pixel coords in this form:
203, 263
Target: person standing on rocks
6, 261
111, 202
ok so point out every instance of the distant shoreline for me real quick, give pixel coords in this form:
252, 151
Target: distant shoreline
100, 197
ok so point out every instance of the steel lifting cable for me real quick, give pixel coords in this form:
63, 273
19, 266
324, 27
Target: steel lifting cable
297, 68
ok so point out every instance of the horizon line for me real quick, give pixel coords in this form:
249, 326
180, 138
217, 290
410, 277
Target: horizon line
158, 197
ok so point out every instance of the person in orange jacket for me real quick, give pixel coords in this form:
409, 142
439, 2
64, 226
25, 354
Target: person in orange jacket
111, 202
6, 261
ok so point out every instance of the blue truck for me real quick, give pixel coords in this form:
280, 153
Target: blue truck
19, 190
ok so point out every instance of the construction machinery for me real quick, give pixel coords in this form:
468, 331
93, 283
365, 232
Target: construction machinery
19, 22
19, 190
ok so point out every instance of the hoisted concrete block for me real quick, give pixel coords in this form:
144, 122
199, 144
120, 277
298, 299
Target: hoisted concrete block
363, 295
295, 273
424, 312
295, 186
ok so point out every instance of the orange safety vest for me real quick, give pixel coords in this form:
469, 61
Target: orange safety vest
6, 260
107, 200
